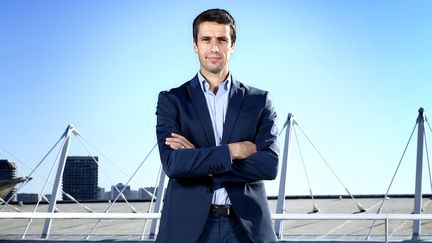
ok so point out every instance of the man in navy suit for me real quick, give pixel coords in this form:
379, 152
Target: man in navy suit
217, 142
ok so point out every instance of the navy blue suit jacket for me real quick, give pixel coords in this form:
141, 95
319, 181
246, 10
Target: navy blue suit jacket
250, 116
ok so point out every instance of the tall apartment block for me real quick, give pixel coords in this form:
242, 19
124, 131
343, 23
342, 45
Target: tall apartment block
80, 178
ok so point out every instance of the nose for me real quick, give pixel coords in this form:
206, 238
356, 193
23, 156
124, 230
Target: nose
215, 48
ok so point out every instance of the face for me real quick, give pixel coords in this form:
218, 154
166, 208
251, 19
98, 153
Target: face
213, 47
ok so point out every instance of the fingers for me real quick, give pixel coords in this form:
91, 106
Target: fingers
177, 141
242, 150
249, 147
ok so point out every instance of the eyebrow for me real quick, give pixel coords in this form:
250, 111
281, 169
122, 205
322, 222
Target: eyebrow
206, 37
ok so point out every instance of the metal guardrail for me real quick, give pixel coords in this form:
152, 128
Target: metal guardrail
29, 215
384, 217
290, 216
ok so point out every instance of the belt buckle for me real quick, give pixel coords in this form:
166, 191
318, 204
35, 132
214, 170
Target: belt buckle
221, 210
227, 210
214, 210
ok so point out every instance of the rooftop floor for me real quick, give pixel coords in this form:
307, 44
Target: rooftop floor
76, 230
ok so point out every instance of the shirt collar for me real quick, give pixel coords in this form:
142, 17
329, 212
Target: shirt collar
205, 85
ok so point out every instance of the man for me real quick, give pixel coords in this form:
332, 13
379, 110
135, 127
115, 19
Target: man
217, 142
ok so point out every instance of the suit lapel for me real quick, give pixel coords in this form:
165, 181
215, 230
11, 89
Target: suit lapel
234, 105
200, 104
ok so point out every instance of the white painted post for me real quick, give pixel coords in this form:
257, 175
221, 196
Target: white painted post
57, 182
280, 207
158, 205
419, 171
386, 229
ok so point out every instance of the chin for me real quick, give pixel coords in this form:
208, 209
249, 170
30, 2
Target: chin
215, 70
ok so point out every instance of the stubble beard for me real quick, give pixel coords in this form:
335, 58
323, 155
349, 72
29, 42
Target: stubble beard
214, 68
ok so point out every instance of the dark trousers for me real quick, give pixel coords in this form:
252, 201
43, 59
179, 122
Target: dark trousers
220, 229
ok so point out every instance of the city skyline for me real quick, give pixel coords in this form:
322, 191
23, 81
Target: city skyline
142, 194
79, 182
353, 73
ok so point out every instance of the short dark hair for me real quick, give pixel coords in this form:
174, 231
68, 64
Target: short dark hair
220, 16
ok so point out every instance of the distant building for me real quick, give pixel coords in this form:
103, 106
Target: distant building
47, 197
80, 178
27, 197
115, 192
101, 194
106, 196
133, 195
7, 171
129, 194
146, 193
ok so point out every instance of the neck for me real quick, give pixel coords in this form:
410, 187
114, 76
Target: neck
214, 79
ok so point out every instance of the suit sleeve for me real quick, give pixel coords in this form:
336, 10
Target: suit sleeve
263, 165
185, 163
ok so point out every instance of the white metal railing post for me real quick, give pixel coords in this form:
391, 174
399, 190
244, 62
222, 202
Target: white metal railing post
386, 230
419, 171
280, 207
53, 200
159, 199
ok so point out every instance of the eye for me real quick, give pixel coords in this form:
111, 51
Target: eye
223, 39
205, 39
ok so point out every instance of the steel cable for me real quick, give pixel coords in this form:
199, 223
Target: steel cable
391, 182
359, 206
115, 200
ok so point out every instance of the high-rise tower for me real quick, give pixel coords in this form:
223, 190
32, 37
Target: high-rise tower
80, 178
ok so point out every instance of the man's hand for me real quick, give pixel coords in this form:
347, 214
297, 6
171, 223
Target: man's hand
177, 141
242, 150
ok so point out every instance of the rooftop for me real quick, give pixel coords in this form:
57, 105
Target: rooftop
311, 228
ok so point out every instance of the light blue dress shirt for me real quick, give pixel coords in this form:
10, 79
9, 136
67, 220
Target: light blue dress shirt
217, 105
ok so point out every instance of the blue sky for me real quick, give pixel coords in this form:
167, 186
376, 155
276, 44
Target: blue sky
354, 73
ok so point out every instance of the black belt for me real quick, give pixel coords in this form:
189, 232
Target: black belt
221, 210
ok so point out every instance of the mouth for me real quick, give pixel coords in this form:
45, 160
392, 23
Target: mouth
214, 58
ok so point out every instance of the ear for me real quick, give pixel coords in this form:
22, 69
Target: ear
233, 46
195, 47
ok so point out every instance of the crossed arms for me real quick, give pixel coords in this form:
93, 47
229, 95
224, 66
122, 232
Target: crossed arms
241, 161
239, 150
